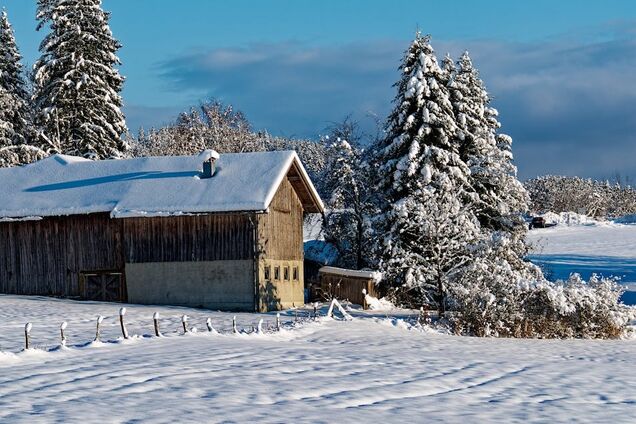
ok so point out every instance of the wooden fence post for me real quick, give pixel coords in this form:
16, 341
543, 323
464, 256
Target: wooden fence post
124, 331
27, 335
155, 319
278, 321
184, 321
208, 324
62, 328
99, 322
234, 329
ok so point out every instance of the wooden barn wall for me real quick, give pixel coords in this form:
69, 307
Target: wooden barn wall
214, 237
44, 257
281, 230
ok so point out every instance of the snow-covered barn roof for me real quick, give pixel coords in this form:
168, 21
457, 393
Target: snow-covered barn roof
151, 186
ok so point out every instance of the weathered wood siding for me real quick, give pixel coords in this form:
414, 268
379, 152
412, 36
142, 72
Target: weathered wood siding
346, 287
281, 230
45, 257
280, 250
215, 237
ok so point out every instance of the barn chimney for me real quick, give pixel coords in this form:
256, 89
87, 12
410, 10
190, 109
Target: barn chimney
209, 162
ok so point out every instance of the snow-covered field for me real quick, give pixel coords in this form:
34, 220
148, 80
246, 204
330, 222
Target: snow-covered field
376, 368
371, 369
604, 248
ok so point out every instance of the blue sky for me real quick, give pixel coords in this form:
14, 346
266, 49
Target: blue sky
561, 72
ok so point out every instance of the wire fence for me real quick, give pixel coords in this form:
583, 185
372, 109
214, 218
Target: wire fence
264, 326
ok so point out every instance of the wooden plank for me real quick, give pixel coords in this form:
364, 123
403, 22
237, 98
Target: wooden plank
187, 238
43, 257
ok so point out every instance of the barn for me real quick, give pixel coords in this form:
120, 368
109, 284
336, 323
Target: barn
213, 231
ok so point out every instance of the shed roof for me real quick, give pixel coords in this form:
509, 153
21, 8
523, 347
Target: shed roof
371, 275
151, 186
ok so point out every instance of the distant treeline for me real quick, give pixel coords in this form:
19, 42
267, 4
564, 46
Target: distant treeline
598, 199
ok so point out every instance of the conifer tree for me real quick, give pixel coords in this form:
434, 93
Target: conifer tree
14, 111
15, 134
43, 13
448, 70
426, 233
501, 199
77, 100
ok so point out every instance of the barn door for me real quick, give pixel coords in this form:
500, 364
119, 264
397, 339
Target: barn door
105, 286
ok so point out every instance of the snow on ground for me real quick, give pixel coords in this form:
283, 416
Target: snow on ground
604, 248
371, 369
568, 218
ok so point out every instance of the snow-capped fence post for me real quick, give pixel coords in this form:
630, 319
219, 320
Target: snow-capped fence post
27, 335
259, 329
155, 319
184, 322
315, 311
99, 323
124, 331
278, 321
62, 335
234, 329
208, 324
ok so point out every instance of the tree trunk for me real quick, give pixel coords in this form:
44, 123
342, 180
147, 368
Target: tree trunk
359, 235
441, 302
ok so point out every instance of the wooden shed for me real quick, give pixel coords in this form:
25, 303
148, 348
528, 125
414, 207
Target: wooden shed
348, 284
213, 231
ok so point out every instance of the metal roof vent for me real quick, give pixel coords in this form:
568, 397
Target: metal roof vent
209, 162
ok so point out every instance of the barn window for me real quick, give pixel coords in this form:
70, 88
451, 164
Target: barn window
286, 273
276, 273
267, 272
295, 276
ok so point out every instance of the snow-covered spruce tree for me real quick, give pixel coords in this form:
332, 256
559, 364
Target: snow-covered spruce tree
19, 153
345, 184
77, 100
14, 112
44, 12
448, 70
15, 134
500, 200
426, 233
500, 294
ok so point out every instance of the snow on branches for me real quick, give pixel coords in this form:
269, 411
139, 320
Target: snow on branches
426, 233
77, 100
13, 95
345, 186
451, 232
